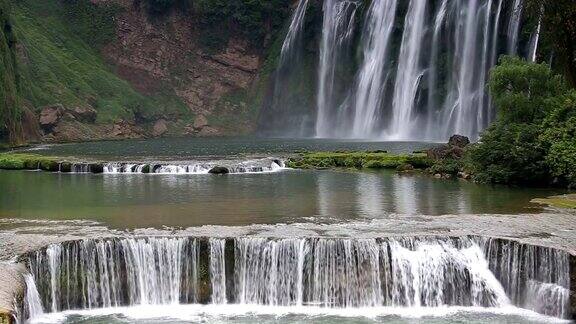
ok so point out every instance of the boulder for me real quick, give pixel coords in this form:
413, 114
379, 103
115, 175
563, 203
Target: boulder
65, 167
160, 128
200, 122
50, 116
219, 170
84, 114
458, 141
453, 150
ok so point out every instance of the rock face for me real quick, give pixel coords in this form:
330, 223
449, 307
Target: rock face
200, 122
453, 150
84, 114
160, 128
50, 116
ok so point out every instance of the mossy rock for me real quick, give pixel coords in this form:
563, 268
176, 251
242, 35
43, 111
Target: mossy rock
66, 167
564, 201
32, 164
49, 165
146, 169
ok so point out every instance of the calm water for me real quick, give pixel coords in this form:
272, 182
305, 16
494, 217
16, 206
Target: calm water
140, 200
183, 148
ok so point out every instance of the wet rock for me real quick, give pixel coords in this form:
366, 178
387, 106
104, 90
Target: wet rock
156, 167
96, 168
50, 116
160, 128
65, 167
48, 165
146, 169
219, 170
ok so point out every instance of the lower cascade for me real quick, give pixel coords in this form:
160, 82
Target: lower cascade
325, 272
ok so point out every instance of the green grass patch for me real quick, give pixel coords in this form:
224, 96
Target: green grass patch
359, 160
21, 161
564, 201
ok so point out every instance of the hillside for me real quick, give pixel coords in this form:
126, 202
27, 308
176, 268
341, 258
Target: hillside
108, 69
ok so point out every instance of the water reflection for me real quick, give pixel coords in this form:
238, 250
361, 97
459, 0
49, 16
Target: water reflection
125, 201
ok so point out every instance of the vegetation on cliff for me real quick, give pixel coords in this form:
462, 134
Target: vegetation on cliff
533, 140
9, 79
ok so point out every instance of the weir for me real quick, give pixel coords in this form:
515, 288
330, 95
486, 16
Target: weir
325, 272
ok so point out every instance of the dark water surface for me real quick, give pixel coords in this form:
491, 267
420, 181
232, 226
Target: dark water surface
183, 148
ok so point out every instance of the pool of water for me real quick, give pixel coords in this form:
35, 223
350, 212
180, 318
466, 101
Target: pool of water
179, 200
241, 314
186, 148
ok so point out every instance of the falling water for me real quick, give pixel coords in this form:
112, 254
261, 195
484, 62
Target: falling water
296, 25
372, 78
534, 40
409, 72
514, 27
326, 272
337, 30
218, 270
33, 304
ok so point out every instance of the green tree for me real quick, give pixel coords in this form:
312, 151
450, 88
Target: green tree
522, 91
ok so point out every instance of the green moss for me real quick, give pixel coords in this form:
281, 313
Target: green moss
565, 201
359, 160
19, 161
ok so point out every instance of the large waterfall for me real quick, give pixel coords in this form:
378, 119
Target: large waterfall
417, 71
325, 272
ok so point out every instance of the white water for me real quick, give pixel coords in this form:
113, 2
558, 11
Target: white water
33, 304
373, 75
433, 86
296, 25
337, 30
409, 72
266, 165
302, 272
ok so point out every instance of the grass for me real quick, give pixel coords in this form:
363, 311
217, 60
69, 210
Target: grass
564, 201
21, 161
62, 62
359, 160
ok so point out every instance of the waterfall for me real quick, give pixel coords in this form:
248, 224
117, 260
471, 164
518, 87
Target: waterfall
425, 80
32, 302
514, 27
106, 273
409, 72
296, 25
337, 31
326, 272
535, 39
372, 78
218, 270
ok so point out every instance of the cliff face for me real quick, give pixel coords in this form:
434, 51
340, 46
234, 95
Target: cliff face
108, 69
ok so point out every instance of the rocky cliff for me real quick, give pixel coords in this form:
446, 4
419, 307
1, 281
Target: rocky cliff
109, 69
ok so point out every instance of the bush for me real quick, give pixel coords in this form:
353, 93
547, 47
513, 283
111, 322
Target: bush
534, 138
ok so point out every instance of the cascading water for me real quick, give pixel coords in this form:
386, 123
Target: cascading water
409, 72
337, 31
426, 80
326, 272
373, 76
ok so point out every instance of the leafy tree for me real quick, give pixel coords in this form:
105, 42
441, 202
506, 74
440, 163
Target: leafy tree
534, 139
522, 92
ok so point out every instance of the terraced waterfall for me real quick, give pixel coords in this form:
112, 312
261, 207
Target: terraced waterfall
329, 273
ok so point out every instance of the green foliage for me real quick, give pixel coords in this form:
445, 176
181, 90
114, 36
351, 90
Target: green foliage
9, 79
446, 166
253, 19
159, 7
509, 153
559, 138
534, 139
19, 161
369, 160
521, 91
558, 18
62, 63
